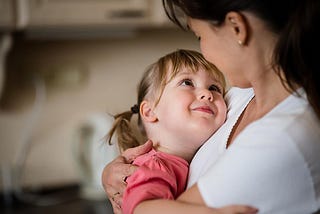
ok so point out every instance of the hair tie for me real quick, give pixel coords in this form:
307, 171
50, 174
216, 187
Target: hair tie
135, 109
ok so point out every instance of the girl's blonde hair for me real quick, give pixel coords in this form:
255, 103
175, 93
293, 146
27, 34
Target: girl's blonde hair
152, 84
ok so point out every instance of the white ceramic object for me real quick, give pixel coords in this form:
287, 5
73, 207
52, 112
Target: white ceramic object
92, 153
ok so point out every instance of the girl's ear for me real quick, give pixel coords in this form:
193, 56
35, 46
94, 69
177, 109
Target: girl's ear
146, 112
239, 27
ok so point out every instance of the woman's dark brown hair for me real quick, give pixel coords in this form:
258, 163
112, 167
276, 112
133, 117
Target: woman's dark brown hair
294, 21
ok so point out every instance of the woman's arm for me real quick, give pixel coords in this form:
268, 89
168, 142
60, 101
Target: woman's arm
189, 202
191, 195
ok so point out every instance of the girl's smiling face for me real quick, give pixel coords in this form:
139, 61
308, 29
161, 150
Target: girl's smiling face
192, 103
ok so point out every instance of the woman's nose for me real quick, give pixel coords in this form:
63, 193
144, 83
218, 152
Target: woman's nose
205, 94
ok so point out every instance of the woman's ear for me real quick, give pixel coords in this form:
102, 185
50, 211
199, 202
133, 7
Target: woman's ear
146, 112
239, 27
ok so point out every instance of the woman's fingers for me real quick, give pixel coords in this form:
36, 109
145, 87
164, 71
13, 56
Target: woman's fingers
116, 207
132, 153
115, 199
112, 181
114, 174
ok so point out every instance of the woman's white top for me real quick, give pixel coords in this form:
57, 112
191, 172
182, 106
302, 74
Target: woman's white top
273, 164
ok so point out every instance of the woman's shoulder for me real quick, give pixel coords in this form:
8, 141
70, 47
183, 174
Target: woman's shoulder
293, 121
290, 133
271, 159
272, 154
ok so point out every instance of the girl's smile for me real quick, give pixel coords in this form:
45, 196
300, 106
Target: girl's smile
205, 109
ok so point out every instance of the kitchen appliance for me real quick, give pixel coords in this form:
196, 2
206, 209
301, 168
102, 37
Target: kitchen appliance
92, 153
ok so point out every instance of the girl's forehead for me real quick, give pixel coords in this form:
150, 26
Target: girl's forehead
185, 71
182, 70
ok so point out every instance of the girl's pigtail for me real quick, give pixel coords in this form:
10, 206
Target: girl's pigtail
124, 131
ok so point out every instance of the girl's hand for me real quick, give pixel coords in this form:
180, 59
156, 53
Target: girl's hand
115, 173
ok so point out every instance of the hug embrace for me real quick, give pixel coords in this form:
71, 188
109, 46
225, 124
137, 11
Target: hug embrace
264, 157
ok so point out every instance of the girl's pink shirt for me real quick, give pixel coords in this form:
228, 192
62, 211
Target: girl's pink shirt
160, 175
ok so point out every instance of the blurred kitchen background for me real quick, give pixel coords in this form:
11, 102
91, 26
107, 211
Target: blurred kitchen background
65, 67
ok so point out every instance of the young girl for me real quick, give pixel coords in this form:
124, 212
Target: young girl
180, 105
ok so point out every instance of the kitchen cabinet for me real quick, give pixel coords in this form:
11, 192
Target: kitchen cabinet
55, 13
59, 14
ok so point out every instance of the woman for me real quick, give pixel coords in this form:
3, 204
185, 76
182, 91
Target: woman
266, 154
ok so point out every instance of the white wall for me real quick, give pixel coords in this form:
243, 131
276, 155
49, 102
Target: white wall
114, 67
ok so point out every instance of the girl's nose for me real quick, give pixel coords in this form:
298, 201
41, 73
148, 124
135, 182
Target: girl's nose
206, 94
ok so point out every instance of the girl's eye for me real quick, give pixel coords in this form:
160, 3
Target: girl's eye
187, 82
215, 88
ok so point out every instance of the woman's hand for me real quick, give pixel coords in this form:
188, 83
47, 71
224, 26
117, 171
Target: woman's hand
115, 173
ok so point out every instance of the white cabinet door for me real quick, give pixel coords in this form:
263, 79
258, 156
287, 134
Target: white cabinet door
57, 13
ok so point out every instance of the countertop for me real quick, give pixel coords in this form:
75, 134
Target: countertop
68, 199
